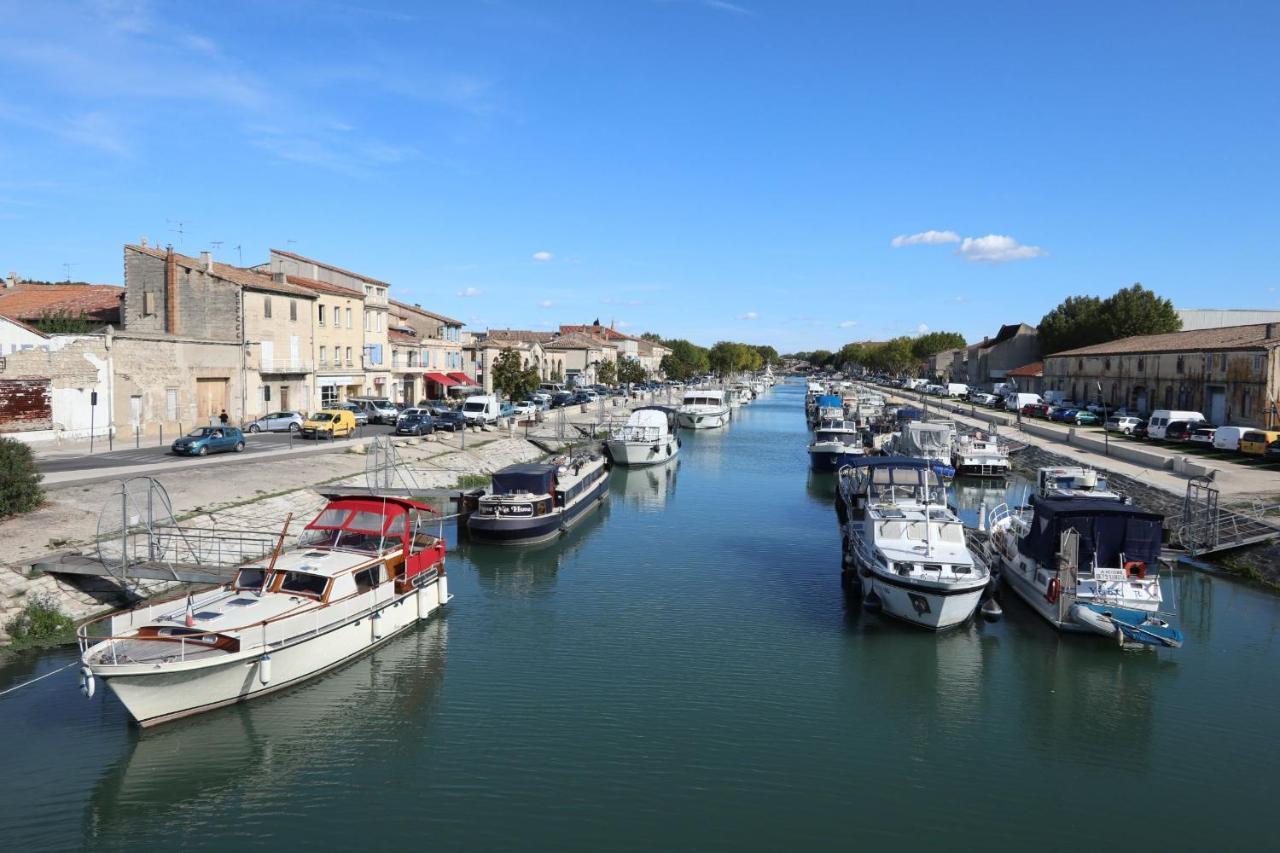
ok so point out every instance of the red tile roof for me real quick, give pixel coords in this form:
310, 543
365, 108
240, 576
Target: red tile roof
33, 301
1035, 368
1253, 337
324, 287
401, 337
305, 260
246, 278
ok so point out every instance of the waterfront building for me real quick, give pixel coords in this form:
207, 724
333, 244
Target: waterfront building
1029, 378
338, 332
1213, 318
990, 361
441, 365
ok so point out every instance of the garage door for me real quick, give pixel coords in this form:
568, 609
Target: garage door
211, 397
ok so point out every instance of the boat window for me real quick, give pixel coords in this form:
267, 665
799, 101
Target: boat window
331, 518
369, 578
367, 543
303, 583
250, 578
396, 529
371, 522
319, 538
891, 529
915, 530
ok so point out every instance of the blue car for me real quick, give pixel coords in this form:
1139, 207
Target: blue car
211, 439
1064, 415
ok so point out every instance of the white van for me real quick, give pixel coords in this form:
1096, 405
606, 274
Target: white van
481, 409
1228, 437
1015, 402
1161, 418
957, 389
1054, 397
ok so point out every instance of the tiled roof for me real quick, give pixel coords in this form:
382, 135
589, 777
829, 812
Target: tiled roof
401, 337
33, 301
324, 287
305, 260
1196, 340
518, 335
490, 343
1006, 332
15, 321
245, 278
448, 321
575, 342
1035, 368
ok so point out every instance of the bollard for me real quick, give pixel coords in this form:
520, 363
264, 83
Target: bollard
162, 435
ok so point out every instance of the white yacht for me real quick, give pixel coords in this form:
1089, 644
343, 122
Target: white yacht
647, 438
1088, 564
703, 408
979, 455
904, 548
365, 569
1074, 481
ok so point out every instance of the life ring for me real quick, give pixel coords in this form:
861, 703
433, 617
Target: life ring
1135, 568
1052, 591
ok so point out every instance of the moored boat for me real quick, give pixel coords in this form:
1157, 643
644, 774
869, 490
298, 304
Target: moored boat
703, 408
534, 502
647, 438
834, 444
364, 570
979, 455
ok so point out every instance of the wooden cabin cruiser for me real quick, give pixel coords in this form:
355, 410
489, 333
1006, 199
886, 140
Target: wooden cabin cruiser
365, 569
835, 443
979, 455
1086, 564
904, 548
1074, 481
647, 438
536, 502
703, 408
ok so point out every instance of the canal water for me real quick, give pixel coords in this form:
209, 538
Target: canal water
683, 672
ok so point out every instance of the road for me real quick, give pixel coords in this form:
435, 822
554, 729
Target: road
261, 443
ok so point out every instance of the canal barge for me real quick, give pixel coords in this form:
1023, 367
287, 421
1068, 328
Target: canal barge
536, 502
1086, 564
647, 438
364, 570
904, 549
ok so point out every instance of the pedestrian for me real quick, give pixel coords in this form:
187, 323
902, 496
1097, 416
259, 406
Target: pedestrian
222, 418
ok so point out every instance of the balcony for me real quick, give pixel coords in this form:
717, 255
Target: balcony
284, 366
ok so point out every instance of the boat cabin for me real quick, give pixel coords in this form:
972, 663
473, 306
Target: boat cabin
1111, 534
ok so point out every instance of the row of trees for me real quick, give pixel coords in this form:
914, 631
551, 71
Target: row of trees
687, 359
898, 355
1080, 321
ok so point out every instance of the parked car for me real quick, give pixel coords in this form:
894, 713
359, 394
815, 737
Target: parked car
1228, 437
1272, 453
560, 399
450, 420
542, 398
1122, 424
1255, 441
1064, 414
357, 412
1084, 417
211, 439
1179, 430
1036, 410
1140, 431
1162, 418
277, 422
524, 409
1202, 434
481, 409
507, 410
331, 423
415, 422
378, 410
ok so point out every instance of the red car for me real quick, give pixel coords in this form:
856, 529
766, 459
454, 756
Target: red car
1036, 410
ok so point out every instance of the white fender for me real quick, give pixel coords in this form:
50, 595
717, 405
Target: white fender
88, 684
376, 619
264, 669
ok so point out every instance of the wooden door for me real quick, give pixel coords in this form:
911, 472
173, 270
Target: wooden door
211, 397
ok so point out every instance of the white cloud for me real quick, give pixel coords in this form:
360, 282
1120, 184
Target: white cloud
848, 324
750, 315
468, 292
996, 249
542, 257
922, 329
925, 238
546, 303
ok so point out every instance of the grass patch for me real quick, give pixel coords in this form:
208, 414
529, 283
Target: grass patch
40, 623
473, 481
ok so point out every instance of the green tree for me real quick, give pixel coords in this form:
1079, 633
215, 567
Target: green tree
512, 378
1075, 322
935, 342
63, 322
651, 336
686, 359
1138, 311
768, 355
631, 371
20, 489
607, 373
820, 357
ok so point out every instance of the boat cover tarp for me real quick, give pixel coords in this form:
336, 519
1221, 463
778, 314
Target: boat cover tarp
532, 478
656, 418
830, 401
926, 439
1107, 530
907, 413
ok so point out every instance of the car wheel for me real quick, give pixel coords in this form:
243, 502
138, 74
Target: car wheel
293, 427
253, 428
204, 450
239, 446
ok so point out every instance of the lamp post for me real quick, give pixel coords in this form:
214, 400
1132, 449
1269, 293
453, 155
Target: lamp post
1106, 436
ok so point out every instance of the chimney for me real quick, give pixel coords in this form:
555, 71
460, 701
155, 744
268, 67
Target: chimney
170, 292
206, 261
1272, 328
11, 282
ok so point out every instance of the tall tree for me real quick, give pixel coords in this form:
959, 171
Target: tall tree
935, 342
1075, 322
1138, 311
631, 371
512, 378
607, 373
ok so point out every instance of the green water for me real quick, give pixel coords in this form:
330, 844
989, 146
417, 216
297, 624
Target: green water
683, 672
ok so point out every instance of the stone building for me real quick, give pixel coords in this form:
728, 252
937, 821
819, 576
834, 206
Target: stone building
338, 333
440, 349
648, 354
1229, 374
938, 365
483, 352
578, 357
987, 363
31, 303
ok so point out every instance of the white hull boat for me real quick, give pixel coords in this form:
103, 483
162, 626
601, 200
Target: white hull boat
648, 438
703, 409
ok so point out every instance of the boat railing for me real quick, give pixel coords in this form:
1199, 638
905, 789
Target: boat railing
277, 631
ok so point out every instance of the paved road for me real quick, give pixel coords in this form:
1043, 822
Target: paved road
255, 443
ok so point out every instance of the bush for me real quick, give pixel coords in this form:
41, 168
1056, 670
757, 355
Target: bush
40, 623
19, 480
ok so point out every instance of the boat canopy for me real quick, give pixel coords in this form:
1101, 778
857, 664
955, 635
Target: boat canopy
1107, 531
532, 478
830, 401
926, 438
657, 418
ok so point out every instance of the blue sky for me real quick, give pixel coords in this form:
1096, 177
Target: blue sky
700, 168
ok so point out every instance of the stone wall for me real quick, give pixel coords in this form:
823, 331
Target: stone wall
205, 306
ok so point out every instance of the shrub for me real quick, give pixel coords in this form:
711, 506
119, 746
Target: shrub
473, 481
41, 622
19, 480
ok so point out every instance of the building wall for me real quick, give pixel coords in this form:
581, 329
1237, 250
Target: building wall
1246, 382
206, 307
1214, 318
343, 374
15, 337
995, 361
281, 367
70, 369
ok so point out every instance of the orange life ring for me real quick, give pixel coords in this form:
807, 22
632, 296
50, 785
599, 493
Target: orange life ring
1052, 592
1135, 568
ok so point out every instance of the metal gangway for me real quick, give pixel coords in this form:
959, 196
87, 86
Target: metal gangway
1207, 528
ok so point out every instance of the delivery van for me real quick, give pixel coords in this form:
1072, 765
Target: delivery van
481, 409
1014, 402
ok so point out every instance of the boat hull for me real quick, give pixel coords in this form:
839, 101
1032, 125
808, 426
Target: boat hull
924, 605
635, 454
702, 420
530, 531
981, 469
826, 461
157, 694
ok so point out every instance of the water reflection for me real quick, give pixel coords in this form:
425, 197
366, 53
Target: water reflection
525, 570
973, 498
706, 444
821, 487
647, 488
198, 770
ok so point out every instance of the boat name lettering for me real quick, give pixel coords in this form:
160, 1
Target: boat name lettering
1109, 574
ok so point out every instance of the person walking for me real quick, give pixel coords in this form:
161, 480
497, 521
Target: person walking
222, 418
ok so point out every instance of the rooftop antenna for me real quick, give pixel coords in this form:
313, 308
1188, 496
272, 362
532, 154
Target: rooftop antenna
239, 256
216, 244
180, 230
67, 267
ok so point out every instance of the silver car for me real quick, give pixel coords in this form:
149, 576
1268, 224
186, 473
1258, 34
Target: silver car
277, 422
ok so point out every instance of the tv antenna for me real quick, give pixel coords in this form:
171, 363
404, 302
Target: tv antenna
216, 244
239, 256
67, 268
180, 230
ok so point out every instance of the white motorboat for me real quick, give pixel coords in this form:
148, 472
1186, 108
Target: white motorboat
1074, 481
1085, 564
703, 408
979, 455
904, 549
647, 438
364, 570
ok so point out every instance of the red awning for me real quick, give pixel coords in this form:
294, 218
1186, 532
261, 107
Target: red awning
442, 379
464, 379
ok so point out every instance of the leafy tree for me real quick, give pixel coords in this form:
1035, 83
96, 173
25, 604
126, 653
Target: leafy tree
820, 357
63, 322
512, 378
651, 336
768, 355
1075, 322
630, 371
1138, 311
935, 342
607, 373
19, 480
686, 359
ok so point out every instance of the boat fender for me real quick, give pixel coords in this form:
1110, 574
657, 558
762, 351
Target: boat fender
1135, 569
1053, 590
377, 626
88, 684
264, 669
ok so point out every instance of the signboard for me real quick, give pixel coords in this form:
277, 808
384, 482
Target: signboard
515, 510
1110, 575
